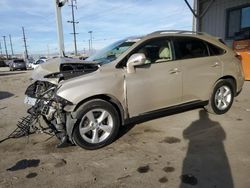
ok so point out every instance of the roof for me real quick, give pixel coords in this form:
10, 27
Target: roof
177, 32
180, 33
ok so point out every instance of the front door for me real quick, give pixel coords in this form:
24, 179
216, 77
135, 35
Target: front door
157, 83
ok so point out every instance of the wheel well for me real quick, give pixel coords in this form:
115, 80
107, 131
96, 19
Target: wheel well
233, 81
112, 100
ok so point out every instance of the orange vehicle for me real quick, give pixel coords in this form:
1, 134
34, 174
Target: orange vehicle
242, 47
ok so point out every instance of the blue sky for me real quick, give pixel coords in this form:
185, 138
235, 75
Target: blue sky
109, 20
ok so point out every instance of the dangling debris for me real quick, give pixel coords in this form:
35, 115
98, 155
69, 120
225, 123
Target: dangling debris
26, 126
23, 127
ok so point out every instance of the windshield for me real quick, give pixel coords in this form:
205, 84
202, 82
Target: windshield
112, 52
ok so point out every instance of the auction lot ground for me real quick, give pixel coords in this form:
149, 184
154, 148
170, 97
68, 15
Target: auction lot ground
190, 149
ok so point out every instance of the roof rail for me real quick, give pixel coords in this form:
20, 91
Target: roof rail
177, 32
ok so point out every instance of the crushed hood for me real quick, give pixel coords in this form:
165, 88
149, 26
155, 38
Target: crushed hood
62, 68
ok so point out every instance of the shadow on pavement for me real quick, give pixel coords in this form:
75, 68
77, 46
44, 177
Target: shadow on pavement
138, 120
5, 94
206, 163
124, 130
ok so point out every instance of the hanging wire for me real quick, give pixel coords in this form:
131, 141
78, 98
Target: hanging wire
27, 126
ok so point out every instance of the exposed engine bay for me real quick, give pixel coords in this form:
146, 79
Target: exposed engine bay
46, 104
41, 95
71, 70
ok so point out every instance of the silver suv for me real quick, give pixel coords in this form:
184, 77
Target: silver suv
86, 102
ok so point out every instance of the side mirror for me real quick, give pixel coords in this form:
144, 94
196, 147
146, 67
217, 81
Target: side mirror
135, 60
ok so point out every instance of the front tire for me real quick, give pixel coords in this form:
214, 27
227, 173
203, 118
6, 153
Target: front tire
222, 97
97, 126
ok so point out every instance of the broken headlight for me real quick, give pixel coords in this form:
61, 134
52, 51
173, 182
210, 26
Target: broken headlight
41, 89
62, 101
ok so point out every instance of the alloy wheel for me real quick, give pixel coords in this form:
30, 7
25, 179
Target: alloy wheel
223, 97
96, 126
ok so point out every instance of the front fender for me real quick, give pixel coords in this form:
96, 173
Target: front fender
97, 83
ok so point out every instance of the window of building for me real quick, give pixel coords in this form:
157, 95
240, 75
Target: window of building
237, 20
245, 17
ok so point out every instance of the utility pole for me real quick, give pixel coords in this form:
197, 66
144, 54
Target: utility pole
89, 47
25, 45
1, 48
6, 50
91, 41
48, 51
58, 5
11, 45
194, 24
73, 5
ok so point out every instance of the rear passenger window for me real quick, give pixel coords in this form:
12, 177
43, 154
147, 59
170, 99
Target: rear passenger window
188, 47
214, 50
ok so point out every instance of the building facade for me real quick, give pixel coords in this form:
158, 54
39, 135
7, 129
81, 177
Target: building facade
227, 19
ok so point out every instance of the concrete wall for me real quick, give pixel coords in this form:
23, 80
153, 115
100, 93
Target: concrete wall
214, 21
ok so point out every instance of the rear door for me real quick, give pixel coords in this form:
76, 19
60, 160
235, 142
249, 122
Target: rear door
199, 70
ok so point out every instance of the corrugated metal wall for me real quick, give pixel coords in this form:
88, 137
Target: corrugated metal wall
214, 21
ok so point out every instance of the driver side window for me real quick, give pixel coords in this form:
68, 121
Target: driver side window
156, 51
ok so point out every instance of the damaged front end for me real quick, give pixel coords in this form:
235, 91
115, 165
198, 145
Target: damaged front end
41, 95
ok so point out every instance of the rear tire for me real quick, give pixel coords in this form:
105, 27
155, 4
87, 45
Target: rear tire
222, 97
97, 126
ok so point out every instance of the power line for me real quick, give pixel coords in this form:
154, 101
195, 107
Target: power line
25, 45
6, 50
127, 8
73, 5
106, 12
103, 39
11, 45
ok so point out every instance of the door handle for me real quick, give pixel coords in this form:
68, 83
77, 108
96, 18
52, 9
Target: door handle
216, 64
174, 71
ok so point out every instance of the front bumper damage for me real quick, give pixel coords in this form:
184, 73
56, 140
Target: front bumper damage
47, 105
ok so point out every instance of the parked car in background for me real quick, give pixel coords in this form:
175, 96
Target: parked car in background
29, 63
17, 64
134, 79
43, 57
7, 62
83, 57
38, 62
3, 64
